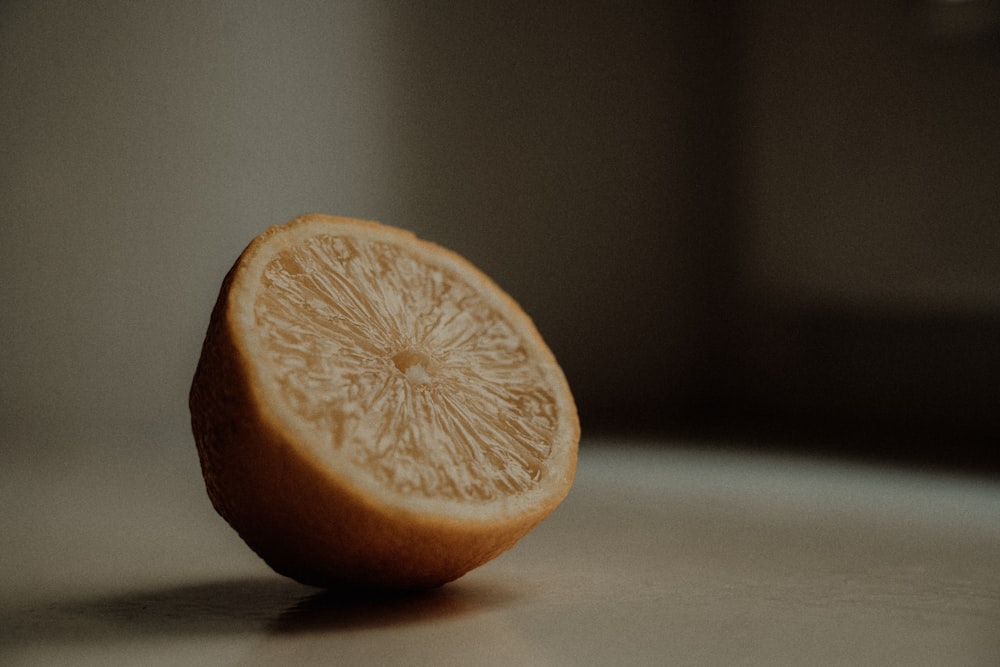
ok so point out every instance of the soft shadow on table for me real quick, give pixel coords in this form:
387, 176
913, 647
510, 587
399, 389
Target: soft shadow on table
334, 610
247, 606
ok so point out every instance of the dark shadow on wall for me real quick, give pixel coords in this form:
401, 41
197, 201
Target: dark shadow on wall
580, 154
711, 211
868, 222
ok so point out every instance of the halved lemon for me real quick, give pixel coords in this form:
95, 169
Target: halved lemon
371, 409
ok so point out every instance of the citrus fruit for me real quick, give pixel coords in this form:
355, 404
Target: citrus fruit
371, 409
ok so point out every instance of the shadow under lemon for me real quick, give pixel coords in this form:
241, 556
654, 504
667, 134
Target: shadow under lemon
250, 606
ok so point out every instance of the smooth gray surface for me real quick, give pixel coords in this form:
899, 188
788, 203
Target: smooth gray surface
661, 555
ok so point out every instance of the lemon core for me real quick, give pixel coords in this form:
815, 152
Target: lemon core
416, 366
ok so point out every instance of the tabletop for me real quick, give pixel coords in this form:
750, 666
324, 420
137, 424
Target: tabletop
664, 553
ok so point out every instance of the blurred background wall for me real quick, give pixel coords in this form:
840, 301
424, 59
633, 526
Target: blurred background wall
739, 219
868, 224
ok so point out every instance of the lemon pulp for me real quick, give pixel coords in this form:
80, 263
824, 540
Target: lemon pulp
405, 369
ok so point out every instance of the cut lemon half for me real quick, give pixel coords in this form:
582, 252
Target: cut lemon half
371, 409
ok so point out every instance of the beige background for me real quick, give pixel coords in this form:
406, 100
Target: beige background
569, 154
730, 214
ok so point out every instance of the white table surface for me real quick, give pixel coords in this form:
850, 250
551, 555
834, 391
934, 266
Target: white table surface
662, 555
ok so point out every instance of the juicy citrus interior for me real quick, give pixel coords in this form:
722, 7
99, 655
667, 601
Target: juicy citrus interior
369, 408
404, 367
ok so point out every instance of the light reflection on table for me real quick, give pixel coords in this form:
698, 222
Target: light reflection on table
112, 555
